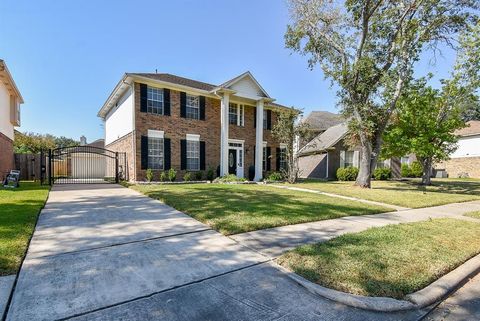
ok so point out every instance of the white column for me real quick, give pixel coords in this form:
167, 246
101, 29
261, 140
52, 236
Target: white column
259, 142
224, 134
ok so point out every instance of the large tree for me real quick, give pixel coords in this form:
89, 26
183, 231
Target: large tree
30, 142
368, 49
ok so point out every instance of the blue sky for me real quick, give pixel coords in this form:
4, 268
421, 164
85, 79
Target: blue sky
66, 56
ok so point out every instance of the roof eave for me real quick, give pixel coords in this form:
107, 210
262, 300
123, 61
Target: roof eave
3, 67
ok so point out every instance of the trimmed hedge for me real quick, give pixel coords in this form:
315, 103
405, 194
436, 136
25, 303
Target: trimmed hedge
382, 174
347, 174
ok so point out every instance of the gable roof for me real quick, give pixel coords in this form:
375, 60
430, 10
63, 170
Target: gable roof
322, 120
7, 79
325, 140
247, 74
176, 80
473, 128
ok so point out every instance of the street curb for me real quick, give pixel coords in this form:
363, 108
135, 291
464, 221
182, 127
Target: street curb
427, 296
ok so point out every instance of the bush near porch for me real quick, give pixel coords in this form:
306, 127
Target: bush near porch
19, 209
237, 208
390, 261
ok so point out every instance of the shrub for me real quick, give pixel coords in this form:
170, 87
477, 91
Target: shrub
230, 178
187, 177
149, 174
416, 169
251, 173
163, 176
405, 170
275, 177
210, 174
198, 175
382, 174
347, 174
172, 175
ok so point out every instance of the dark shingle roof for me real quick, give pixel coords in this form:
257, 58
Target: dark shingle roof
322, 120
176, 80
325, 140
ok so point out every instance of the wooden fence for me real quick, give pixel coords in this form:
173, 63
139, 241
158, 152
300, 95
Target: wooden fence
29, 166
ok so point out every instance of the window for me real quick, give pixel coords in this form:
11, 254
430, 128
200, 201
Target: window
265, 120
283, 158
405, 160
348, 159
193, 107
155, 153
264, 158
155, 100
383, 163
233, 113
193, 155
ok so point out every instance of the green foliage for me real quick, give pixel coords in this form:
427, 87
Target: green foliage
149, 174
172, 175
382, 174
275, 177
198, 175
230, 178
34, 143
211, 174
405, 170
416, 169
347, 174
163, 176
187, 177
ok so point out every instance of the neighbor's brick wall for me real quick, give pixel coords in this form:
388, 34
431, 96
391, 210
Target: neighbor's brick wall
6, 155
176, 128
455, 166
125, 145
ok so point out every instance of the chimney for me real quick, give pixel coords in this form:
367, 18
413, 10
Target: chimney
83, 140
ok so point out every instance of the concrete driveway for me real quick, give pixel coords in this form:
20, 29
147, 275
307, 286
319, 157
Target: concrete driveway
104, 252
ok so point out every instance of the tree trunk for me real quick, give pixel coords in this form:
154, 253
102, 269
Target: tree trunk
427, 169
364, 177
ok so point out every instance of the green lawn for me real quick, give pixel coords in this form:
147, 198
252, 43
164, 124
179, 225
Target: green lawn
388, 261
233, 209
19, 209
404, 193
475, 214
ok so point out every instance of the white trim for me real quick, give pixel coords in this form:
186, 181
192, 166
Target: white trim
193, 137
155, 133
237, 141
264, 144
283, 145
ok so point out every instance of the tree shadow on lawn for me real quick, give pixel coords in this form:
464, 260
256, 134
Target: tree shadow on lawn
448, 187
242, 210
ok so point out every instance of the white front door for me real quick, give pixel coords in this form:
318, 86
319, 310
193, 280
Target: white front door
238, 146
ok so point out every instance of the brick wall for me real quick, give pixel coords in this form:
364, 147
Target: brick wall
456, 166
6, 155
125, 144
175, 127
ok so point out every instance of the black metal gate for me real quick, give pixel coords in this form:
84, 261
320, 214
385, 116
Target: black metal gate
84, 165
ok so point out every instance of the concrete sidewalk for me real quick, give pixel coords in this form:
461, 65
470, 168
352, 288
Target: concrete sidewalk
104, 252
275, 241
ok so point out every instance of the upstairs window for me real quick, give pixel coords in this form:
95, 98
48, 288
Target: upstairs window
265, 119
232, 113
192, 107
155, 100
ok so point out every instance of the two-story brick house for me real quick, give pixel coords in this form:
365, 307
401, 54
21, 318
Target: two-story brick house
10, 100
163, 121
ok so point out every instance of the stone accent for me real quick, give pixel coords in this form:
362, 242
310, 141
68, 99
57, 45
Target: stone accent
456, 166
125, 144
6, 155
176, 128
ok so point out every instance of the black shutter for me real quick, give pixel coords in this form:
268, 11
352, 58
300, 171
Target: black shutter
183, 104
144, 152
278, 159
167, 154
183, 154
143, 98
166, 102
202, 156
202, 107
268, 160
254, 158
255, 117
269, 119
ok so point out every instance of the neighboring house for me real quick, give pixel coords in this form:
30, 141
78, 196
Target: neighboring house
323, 155
465, 161
10, 100
318, 122
163, 121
